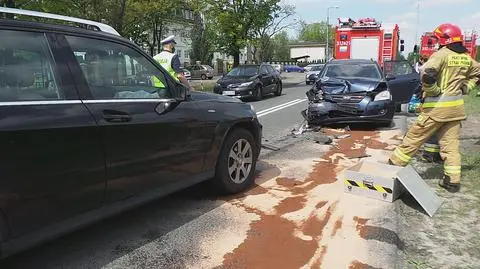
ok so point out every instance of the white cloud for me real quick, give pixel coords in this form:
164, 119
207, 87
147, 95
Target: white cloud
437, 3
470, 22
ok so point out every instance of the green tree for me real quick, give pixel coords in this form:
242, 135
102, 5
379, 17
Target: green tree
236, 22
281, 50
478, 53
411, 57
279, 21
316, 32
202, 41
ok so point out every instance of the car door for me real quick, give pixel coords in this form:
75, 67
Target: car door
196, 71
267, 79
402, 79
152, 141
51, 159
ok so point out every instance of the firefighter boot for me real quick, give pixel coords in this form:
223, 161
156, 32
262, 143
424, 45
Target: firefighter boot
446, 184
431, 157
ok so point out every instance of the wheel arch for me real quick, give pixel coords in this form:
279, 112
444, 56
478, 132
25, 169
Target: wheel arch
224, 131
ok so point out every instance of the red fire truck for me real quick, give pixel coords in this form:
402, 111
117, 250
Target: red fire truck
429, 43
367, 39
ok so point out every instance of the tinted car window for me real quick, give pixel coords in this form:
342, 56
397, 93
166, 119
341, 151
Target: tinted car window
397, 68
369, 71
114, 71
263, 69
244, 71
26, 72
270, 69
317, 68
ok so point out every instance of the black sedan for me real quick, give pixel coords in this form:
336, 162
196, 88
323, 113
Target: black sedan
350, 91
250, 81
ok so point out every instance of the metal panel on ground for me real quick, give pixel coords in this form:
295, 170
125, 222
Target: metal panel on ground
417, 187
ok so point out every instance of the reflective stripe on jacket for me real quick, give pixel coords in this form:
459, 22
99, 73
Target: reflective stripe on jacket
165, 59
443, 100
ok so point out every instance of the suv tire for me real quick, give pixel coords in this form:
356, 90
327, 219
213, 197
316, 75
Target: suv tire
278, 89
236, 163
203, 77
258, 93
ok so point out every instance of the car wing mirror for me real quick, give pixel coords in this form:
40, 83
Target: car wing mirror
389, 77
165, 106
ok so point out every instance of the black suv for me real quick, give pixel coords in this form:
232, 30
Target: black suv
250, 81
91, 125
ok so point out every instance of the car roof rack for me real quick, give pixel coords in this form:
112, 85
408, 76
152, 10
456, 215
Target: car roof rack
96, 25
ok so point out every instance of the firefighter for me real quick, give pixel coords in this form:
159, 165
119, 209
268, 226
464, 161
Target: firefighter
171, 62
431, 148
443, 78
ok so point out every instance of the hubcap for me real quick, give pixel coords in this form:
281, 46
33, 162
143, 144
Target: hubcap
240, 161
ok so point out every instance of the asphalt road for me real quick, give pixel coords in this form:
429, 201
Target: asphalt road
165, 233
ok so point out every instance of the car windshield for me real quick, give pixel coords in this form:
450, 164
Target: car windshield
317, 68
244, 71
368, 71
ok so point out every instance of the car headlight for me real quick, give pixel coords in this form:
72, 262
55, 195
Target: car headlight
245, 84
254, 112
383, 95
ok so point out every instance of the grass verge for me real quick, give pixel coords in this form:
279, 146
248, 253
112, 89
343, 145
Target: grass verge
472, 102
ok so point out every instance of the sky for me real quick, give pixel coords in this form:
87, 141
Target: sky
464, 13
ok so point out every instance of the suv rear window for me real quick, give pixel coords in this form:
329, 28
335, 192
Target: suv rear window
26, 72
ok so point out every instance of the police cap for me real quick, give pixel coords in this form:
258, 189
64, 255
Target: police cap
170, 39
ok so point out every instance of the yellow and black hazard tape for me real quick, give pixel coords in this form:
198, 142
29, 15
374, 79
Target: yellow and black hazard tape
372, 187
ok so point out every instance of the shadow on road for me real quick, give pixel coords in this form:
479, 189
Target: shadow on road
103, 242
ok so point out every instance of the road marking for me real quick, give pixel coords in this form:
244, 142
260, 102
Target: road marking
272, 108
279, 107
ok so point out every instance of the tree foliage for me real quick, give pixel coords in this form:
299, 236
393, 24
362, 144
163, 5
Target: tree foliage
316, 32
280, 20
281, 50
237, 22
202, 41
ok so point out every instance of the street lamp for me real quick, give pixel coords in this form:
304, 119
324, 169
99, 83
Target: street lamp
327, 56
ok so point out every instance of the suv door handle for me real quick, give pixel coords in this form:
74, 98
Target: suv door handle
414, 80
116, 116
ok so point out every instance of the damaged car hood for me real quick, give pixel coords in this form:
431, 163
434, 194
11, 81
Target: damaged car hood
354, 85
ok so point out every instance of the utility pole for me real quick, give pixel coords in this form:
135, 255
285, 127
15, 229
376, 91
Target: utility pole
417, 54
327, 54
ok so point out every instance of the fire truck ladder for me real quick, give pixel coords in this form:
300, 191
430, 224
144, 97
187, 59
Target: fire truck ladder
387, 47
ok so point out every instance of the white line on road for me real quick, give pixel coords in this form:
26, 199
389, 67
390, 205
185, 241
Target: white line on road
279, 107
272, 108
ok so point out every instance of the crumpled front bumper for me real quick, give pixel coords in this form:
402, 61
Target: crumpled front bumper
367, 110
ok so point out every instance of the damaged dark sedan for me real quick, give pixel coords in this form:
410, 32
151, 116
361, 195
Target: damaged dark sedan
350, 91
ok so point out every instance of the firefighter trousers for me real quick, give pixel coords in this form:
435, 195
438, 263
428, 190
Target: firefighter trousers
431, 149
448, 135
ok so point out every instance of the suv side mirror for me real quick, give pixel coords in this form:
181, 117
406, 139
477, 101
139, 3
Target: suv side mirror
389, 77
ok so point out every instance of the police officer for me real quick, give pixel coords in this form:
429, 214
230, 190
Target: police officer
170, 61
443, 78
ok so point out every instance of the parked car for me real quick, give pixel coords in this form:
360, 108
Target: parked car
91, 125
350, 91
278, 68
293, 68
309, 67
201, 71
312, 75
187, 74
250, 81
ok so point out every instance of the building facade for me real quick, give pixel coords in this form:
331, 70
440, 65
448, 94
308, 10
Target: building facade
309, 51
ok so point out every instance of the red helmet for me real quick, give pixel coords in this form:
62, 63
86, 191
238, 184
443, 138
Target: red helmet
448, 33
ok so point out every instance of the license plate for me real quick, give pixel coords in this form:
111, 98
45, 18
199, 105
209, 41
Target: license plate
228, 92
